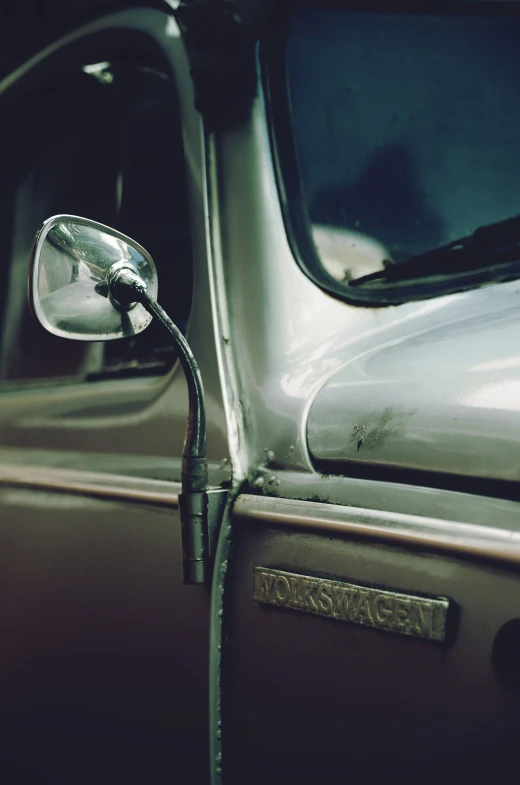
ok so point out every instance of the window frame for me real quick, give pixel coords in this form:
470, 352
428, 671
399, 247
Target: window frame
298, 227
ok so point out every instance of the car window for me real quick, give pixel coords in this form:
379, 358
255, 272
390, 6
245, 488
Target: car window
406, 131
101, 140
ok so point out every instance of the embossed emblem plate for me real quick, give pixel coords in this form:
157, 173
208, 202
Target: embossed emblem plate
419, 617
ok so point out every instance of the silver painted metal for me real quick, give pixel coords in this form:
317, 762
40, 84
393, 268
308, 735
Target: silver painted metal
394, 497
380, 609
73, 262
433, 383
411, 531
222, 317
439, 393
284, 354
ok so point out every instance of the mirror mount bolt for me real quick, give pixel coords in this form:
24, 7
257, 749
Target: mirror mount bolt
125, 285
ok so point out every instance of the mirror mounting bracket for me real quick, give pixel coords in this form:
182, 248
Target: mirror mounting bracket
200, 508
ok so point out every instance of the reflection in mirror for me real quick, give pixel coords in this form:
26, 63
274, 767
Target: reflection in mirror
68, 280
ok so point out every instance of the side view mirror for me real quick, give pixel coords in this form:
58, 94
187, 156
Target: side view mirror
70, 266
89, 282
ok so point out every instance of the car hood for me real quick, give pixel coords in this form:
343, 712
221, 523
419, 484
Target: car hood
442, 397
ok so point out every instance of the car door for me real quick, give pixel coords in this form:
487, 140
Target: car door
366, 593
103, 667
306, 695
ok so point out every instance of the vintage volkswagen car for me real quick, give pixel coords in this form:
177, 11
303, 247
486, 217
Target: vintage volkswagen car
322, 584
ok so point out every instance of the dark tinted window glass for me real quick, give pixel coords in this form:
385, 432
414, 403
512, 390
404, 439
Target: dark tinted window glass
407, 130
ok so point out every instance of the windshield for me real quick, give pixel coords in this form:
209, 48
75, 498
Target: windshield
406, 127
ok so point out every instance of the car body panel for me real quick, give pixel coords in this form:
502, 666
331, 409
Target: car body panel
284, 707
314, 699
442, 396
447, 352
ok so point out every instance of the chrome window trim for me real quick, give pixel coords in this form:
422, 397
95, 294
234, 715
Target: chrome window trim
102, 486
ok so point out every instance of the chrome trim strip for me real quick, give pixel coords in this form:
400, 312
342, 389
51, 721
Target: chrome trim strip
104, 486
465, 539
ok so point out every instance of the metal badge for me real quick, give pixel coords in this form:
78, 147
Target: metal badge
419, 617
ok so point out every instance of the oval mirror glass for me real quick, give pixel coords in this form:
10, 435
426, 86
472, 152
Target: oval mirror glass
68, 288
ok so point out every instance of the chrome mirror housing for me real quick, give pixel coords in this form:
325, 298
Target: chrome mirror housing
72, 261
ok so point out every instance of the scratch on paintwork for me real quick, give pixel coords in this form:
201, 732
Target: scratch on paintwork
378, 428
